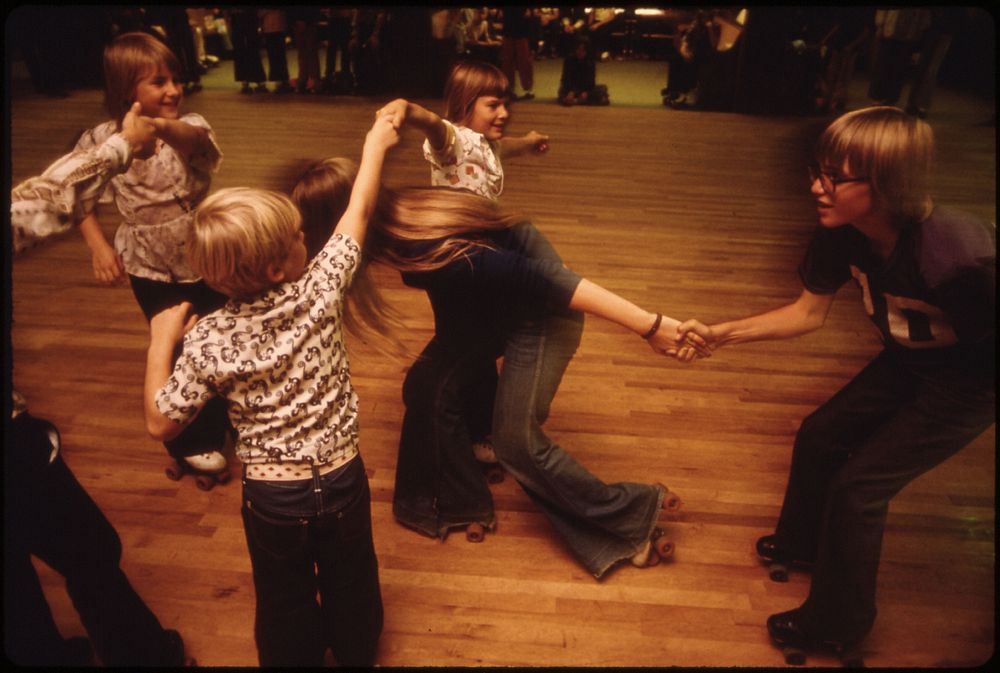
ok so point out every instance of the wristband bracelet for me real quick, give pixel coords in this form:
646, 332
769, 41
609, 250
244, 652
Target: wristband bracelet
656, 326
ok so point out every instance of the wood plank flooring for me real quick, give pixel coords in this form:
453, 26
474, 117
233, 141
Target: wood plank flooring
692, 214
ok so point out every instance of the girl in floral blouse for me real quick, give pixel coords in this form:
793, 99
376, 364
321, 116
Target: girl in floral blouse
156, 197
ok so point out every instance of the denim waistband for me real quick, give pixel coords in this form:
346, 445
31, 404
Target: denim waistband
316, 495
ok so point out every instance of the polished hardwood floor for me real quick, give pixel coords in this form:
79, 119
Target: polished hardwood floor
688, 213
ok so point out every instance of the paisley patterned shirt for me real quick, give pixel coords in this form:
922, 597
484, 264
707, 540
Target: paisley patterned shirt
467, 161
280, 362
156, 198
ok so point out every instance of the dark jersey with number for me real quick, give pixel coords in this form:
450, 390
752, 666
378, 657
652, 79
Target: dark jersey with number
933, 299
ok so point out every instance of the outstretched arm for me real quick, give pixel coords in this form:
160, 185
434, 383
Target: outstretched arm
533, 142
188, 140
381, 137
68, 189
402, 111
805, 314
659, 331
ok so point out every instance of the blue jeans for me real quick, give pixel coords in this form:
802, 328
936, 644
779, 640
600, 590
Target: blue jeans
601, 523
309, 536
894, 421
439, 482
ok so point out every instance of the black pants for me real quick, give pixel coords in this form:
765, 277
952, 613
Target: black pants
207, 432
893, 422
48, 514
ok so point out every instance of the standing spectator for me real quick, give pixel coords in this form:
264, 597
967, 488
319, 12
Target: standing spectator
247, 67
274, 26
898, 33
515, 52
305, 31
945, 22
599, 25
171, 24
850, 27
366, 50
339, 27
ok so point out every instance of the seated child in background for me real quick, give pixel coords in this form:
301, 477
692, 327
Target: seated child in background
276, 353
578, 84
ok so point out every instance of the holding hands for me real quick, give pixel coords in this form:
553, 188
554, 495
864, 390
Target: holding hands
666, 338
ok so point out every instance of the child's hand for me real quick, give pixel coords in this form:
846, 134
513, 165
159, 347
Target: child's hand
539, 143
140, 132
696, 333
172, 323
383, 133
684, 346
395, 111
108, 266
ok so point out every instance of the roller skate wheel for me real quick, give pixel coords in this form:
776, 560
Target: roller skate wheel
494, 475
778, 572
174, 471
663, 548
475, 532
224, 476
794, 656
205, 483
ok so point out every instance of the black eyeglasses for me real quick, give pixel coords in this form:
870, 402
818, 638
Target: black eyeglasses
829, 182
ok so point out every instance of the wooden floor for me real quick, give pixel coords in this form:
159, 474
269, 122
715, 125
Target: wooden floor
692, 214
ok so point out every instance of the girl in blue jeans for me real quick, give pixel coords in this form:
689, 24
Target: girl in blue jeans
497, 287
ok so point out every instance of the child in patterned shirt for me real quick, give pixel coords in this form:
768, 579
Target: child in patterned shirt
464, 147
275, 352
156, 197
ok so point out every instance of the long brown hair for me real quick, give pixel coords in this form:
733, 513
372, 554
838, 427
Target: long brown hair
455, 219
321, 194
452, 221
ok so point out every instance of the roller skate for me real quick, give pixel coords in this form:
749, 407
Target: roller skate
778, 558
672, 502
656, 549
487, 457
208, 468
786, 632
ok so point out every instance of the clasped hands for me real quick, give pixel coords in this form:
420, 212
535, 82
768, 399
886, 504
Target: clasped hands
691, 340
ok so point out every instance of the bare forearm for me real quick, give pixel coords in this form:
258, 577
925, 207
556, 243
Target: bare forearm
93, 235
786, 322
591, 298
186, 139
159, 359
429, 123
354, 222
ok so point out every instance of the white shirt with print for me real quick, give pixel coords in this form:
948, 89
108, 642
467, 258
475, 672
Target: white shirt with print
467, 161
280, 362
